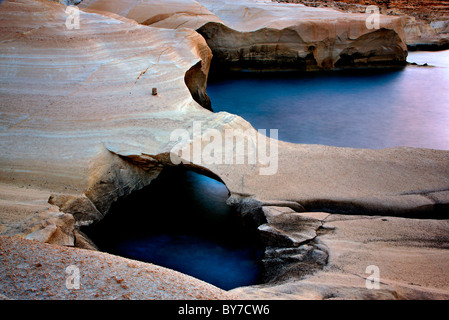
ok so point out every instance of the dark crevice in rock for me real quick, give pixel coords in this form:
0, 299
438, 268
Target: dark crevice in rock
388, 55
287, 263
442, 44
168, 210
431, 209
289, 242
196, 81
263, 50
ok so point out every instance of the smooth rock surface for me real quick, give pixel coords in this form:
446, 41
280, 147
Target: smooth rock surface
285, 227
67, 95
80, 126
53, 79
262, 35
426, 21
411, 255
57, 137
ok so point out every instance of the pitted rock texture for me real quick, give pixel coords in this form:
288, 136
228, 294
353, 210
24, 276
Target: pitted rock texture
33, 270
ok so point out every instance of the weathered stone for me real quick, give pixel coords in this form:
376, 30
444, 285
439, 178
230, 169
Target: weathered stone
254, 34
82, 241
78, 118
292, 249
290, 204
50, 226
426, 22
284, 223
406, 251
81, 208
273, 236
315, 215
102, 276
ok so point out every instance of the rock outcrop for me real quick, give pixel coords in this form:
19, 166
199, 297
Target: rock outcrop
50, 226
80, 128
427, 21
341, 261
33, 270
53, 79
260, 35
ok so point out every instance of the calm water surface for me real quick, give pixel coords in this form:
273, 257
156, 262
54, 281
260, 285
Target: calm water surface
408, 107
181, 221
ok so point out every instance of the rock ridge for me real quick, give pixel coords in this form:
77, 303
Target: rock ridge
427, 22
259, 35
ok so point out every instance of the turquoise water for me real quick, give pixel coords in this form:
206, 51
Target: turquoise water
408, 107
181, 222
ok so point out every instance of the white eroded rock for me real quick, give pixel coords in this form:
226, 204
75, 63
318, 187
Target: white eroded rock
264, 35
79, 120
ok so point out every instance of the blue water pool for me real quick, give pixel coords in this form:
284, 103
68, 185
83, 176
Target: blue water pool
181, 222
364, 109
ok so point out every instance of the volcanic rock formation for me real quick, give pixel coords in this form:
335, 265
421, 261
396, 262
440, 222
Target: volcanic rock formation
427, 21
80, 128
260, 35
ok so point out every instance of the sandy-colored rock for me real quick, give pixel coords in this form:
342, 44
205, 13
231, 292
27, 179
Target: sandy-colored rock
285, 227
171, 14
79, 122
33, 270
292, 250
73, 66
18, 203
411, 255
50, 226
255, 34
82, 241
426, 21
260, 35
83, 210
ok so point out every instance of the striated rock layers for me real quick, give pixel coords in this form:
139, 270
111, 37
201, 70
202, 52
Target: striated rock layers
261, 35
65, 95
427, 21
80, 128
335, 256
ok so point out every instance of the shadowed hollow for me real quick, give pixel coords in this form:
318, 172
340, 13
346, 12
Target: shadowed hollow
181, 221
